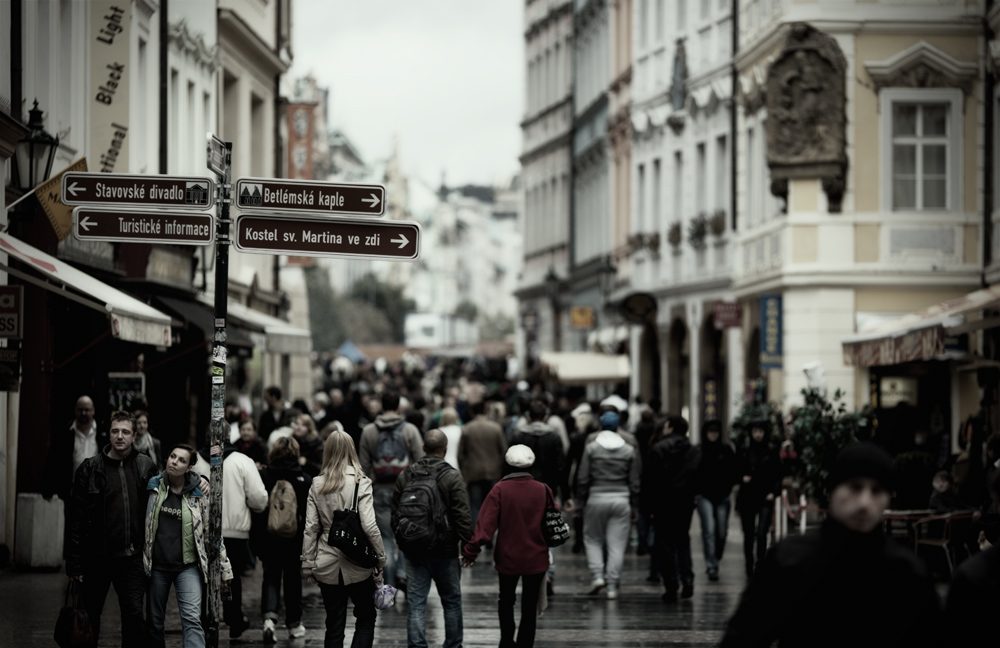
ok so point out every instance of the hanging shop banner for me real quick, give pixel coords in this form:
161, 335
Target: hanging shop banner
770, 332
582, 317
726, 315
108, 87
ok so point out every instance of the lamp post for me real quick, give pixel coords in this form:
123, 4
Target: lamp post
552, 290
33, 155
606, 275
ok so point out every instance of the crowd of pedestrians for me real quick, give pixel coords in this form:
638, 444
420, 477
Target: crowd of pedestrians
430, 473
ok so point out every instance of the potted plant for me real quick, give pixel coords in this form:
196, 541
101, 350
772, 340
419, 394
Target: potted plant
697, 229
674, 233
718, 222
653, 242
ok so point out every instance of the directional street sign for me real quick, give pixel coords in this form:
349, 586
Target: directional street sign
309, 197
216, 154
341, 237
143, 226
119, 190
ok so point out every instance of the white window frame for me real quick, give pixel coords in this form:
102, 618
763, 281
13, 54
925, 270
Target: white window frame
951, 96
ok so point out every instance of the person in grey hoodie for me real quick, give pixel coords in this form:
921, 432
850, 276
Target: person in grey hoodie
383, 472
608, 490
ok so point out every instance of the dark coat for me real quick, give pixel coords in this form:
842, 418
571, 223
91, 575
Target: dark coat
973, 599
57, 476
762, 463
256, 449
89, 518
264, 544
717, 471
312, 450
835, 588
454, 497
674, 465
550, 459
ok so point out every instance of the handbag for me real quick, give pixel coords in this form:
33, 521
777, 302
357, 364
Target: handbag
554, 527
73, 629
347, 534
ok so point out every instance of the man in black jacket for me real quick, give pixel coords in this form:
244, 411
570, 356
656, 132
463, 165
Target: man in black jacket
846, 584
439, 562
674, 462
107, 529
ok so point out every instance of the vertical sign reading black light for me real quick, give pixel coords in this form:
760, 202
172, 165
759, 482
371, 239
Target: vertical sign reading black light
770, 332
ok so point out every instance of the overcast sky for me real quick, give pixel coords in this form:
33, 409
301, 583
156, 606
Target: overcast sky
446, 76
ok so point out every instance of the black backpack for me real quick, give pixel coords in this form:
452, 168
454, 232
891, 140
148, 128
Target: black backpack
420, 522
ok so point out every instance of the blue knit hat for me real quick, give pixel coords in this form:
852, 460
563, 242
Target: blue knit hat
609, 421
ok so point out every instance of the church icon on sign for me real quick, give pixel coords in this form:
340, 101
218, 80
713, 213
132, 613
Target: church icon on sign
251, 195
195, 193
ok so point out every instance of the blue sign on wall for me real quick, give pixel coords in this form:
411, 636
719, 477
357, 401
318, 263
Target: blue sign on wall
770, 332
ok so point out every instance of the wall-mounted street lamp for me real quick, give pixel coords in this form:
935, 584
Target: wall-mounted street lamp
607, 275
552, 292
33, 155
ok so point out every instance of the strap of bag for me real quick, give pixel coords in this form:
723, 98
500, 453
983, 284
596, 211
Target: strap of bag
357, 482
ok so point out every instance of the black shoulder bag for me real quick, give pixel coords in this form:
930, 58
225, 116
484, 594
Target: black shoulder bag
554, 527
347, 534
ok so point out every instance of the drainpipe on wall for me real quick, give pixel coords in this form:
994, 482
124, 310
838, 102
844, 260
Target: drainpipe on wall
16, 62
164, 69
988, 151
732, 112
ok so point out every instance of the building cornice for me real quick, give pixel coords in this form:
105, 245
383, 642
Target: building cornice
777, 280
548, 110
549, 146
244, 37
543, 23
11, 131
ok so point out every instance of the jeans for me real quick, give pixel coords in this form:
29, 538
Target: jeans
756, 524
129, 578
673, 544
187, 585
478, 490
238, 550
446, 574
529, 609
714, 528
335, 601
282, 565
395, 569
606, 522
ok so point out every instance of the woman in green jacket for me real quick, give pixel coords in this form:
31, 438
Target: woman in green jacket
175, 552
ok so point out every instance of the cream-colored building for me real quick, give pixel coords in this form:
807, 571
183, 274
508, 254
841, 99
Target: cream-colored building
860, 198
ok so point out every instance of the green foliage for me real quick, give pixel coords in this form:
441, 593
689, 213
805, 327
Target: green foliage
324, 311
820, 428
466, 310
387, 298
752, 409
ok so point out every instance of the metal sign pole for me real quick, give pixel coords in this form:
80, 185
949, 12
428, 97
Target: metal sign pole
219, 428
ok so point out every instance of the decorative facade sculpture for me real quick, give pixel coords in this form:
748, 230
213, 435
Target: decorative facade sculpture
805, 100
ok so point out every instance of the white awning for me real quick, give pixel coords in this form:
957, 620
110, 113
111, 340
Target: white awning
581, 368
281, 337
131, 320
919, 335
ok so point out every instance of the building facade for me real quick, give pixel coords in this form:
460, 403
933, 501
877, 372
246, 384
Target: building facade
546, 177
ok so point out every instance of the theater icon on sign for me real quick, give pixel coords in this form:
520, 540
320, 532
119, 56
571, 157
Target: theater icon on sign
196, 193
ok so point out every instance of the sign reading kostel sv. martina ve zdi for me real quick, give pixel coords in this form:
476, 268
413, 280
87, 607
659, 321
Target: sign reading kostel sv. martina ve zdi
143, 226
120, 190
305, 196
340, 237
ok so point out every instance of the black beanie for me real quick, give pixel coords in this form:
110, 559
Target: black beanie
861, 460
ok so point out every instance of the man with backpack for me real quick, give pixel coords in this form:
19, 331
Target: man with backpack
431, 520
387, 447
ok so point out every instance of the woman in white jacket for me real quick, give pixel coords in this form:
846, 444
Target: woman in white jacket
340, 579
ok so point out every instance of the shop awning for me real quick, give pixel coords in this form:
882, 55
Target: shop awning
200, 316
279, 336
131, 320
919, 335
581, 368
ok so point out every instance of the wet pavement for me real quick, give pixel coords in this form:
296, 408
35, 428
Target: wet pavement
30, 603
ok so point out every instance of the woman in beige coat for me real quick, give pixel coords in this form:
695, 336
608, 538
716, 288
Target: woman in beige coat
340, 579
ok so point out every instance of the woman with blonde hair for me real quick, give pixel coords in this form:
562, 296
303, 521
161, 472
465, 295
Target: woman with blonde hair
310, 444
338, 578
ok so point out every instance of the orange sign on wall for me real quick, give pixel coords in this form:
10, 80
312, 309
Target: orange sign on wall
582, 317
